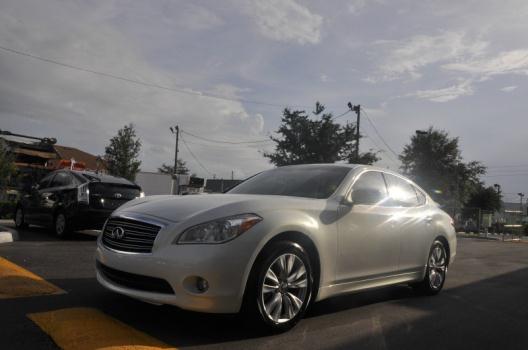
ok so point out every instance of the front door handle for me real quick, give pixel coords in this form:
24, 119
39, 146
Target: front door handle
428, 219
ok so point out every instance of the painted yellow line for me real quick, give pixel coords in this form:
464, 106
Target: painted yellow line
86, 329
16, 282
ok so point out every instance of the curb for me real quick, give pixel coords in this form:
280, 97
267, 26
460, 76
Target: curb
7, 235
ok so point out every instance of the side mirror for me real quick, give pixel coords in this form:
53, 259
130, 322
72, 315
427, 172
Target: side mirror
366, 196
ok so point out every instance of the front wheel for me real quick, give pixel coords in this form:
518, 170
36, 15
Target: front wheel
436, 270
280, 287
60, 225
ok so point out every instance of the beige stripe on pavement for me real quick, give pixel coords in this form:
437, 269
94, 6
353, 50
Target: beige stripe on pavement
87, 328
16, 282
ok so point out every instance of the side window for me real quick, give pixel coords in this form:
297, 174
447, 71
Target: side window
420, 195
401, 192
369, 188
61, 179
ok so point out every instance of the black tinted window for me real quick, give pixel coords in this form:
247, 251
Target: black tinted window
61, 179
44, 183
311, 182
369, 188
401, 192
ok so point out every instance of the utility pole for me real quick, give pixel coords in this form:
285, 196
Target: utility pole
176, 131
521, 195
498, 221
357, 110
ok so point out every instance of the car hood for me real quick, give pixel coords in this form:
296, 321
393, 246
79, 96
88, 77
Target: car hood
181, 208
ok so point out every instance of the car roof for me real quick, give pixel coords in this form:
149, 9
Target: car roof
93, 176
316, 165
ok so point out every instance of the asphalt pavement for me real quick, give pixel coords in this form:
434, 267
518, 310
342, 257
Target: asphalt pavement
484, 305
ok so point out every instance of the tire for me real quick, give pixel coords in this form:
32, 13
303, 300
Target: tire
61, 227
20, 221
279, 289
436, 272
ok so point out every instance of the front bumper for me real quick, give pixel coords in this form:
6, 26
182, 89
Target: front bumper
224, 266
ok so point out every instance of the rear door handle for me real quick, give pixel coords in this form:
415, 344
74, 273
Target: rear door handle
428, 219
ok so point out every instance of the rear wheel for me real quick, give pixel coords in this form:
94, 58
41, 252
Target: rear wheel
280, 287
436, 270
20, 221
60, 225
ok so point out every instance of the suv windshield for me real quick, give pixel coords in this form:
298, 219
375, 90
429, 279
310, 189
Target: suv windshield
298, 181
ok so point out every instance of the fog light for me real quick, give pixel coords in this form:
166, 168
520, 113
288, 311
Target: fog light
202, 285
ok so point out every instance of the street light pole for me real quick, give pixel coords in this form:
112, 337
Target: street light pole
357, 110
176, 131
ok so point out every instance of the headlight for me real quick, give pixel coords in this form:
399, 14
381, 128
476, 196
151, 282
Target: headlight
219, 231
141, 194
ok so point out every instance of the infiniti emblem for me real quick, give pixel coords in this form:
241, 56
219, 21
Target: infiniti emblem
117, 233
118, 195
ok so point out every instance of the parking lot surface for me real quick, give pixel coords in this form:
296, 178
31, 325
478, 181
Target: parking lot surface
49, 298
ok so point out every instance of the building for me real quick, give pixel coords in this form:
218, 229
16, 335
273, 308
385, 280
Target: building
34, 157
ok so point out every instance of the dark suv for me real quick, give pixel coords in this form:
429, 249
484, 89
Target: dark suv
70, 200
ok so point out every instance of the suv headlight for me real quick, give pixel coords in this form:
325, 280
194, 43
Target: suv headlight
219, 231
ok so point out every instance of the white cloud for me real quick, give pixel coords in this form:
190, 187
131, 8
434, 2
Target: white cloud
464, 88
84, 110
508, 62
406, 58
508, 88
356, 7
199, 18
286, 20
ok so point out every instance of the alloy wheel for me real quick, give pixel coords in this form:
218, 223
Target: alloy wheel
285, 288
437, 266
60, 224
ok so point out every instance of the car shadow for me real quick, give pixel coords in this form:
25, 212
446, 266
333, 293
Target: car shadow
43, 234
489, 313
473, 314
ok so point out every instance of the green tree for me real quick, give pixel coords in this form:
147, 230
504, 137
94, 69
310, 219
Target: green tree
315, 140
169, 169
433, 159
121, 155
485, 198
7, 165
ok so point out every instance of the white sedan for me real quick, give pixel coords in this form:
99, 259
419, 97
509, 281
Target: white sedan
277, 242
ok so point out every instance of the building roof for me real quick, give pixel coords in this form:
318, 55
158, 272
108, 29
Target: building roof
92, 162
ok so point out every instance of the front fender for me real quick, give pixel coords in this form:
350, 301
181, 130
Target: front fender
323, 235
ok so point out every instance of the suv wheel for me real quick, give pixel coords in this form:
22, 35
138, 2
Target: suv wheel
19, 218
280, 288
436, 270
60, 225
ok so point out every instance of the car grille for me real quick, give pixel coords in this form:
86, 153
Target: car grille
137, 236
133, 281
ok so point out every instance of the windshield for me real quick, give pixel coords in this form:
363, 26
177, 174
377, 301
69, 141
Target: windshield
310, 182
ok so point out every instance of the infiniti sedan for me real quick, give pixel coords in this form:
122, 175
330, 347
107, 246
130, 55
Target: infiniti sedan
277, 242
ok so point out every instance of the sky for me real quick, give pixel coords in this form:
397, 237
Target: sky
460, 66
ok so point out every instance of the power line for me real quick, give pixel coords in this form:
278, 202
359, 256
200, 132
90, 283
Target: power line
379, 135
377, 146
500, 175
226, 142
195, 158
507, 166
342, 114
181, 90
